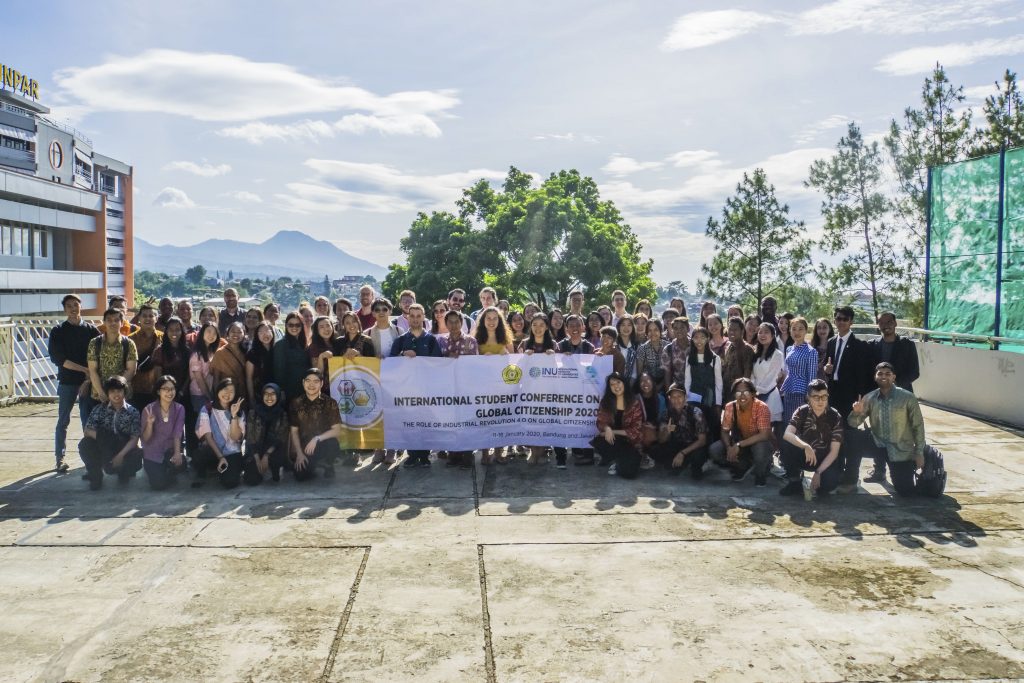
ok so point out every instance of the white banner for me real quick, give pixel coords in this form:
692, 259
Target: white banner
487, 401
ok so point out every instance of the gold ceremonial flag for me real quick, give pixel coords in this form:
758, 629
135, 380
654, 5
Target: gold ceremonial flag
355, 385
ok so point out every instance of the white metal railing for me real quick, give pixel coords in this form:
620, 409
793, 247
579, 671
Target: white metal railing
25, 367
15, 153
953, 338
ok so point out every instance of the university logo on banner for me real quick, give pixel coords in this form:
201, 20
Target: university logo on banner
355, 385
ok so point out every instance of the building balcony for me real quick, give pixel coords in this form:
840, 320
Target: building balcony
58, 280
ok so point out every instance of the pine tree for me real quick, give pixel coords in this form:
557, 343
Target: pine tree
759, 247
1004, 118
857, 214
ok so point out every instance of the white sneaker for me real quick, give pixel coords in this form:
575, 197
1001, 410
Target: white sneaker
613, 470
647, 463
778, 471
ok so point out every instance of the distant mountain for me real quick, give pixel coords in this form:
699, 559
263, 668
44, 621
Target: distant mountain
288, 253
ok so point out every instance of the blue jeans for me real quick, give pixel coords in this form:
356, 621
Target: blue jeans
67, 394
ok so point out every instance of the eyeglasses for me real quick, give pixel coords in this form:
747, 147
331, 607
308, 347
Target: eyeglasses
294, 326
744, 392
818, 397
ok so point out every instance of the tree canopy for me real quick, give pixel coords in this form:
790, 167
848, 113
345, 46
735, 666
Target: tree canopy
531, 243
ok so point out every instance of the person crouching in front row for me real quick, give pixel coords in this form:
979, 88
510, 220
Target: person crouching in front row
620, 423
682, 435
221, 428
111, 442
746, 430
812, 442
315, 422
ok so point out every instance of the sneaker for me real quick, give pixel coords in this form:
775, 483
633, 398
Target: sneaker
560, 461
647, 463
411, 463
425, 461
875, 477
613, 470
560, 465
760, 480
61, 467
778, 471
740, 476
390, 458
793, 488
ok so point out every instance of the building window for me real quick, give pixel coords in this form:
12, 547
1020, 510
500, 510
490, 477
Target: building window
19, 242
42, 243
114, 242
108, 185
115, 270
14, 143
5, 240
115, 213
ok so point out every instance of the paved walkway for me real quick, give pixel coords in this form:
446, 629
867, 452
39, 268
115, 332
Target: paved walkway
509, 573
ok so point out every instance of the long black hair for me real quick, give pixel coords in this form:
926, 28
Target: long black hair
202, 348
765, 352
174, 351
293, 339
608, 399
709, 355
618, 329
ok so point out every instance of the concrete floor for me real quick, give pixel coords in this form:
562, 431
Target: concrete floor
510, 573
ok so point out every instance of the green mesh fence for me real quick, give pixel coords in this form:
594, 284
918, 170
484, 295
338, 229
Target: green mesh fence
963, 292
1012, 303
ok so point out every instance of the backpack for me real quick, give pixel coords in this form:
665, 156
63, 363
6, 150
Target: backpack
124, 350
932, 480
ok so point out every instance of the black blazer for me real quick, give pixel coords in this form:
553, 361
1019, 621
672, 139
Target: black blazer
856, 373
904, 359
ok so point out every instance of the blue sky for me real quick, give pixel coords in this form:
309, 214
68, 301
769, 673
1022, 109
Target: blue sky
344, 119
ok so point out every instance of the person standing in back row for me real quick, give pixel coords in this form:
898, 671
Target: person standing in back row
69, 351
231, 313
901, 353
848, 367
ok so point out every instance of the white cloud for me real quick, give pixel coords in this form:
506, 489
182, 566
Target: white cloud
222, 87
689, 158
811, 133
205, 170
922, 59
259, 132
173, 198
978, 93
569, 137
889, 17
340, 186
700, 29
246, 197
619, 165
902, 17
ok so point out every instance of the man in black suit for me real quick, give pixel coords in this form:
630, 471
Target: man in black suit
901, 353
848, 365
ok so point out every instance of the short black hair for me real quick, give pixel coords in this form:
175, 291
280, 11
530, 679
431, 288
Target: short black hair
115, 382
113, 311
69, 297
817, 385
846, 311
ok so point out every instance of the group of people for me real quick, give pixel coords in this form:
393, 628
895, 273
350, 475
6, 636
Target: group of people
240, 396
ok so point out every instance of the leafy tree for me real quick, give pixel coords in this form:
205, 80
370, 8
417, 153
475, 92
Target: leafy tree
195, 274
530, 243
759, 247
1004, 118
857, 215
444, 252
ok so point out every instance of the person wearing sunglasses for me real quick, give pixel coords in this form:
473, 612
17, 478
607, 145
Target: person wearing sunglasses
848, 367
456, 300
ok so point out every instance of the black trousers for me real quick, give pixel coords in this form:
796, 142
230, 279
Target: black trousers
325, 455
665, 453
98, 456
206, 460
903, 474
251, 474
164, 473
623, 454
794, 461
